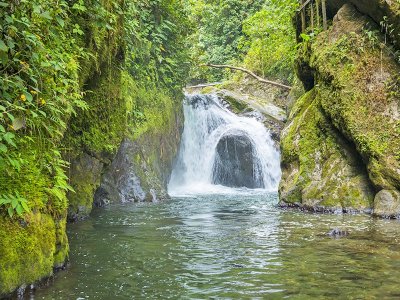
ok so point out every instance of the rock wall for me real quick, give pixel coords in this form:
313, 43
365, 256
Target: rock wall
142, 166
341, 147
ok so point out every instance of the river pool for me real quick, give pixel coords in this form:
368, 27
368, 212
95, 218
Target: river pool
232, 246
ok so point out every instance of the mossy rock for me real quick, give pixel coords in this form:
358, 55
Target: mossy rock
355, 104
27, 250
319, 167
358, 83
143, 164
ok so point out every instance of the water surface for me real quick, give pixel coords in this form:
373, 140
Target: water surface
232, 246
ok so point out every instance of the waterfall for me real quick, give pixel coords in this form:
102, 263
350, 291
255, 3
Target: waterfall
222, 152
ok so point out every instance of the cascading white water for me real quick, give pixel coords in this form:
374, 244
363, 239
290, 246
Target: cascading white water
207, 123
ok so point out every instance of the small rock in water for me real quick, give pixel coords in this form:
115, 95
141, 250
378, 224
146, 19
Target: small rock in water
337, 232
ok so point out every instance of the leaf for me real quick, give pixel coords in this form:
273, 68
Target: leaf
10, 212
14, 203
9, 19
25, 206
8, 137
18, 123
60, 21
28, 96
3, 46
3, 148
19, 209
10, 116
11, 44
46, 15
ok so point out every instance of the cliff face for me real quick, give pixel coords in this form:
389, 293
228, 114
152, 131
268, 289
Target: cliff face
142, 166
116, 158
341, 147
79, 113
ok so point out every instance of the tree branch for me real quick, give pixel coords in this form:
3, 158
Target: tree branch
250, 73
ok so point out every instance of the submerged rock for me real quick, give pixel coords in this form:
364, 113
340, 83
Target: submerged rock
337, 232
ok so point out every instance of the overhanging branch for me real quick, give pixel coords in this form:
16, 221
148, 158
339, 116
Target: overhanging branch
249, 73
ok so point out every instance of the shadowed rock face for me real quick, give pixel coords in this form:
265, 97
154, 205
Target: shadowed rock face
235, 165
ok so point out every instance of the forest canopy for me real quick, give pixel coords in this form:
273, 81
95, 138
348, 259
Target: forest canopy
255, 34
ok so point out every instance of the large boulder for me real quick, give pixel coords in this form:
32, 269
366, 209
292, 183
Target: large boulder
235, 163
342, 141
386, 11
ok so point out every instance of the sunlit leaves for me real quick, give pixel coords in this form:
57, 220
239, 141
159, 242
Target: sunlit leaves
269, 40
39, 84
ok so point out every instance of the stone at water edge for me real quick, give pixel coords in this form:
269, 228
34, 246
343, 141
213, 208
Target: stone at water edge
387, 204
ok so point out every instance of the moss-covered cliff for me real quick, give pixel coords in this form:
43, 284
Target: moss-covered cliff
77, 79
341, 145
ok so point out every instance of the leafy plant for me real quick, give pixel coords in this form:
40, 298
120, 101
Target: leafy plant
15, 204
270, 40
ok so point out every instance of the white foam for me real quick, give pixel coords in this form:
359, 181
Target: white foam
206, 122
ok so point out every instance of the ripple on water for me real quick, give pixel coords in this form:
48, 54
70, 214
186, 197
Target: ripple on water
227, 247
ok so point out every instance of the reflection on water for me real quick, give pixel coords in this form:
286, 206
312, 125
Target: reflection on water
227, 247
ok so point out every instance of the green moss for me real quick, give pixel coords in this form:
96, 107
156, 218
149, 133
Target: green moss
319, 168
35, 243
235, 105
156, 135
342, 144
356, 85
26, 250
62, 245
207, 90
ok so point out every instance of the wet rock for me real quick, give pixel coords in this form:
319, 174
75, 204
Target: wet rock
235, 164
337, 232
129, 179
85, 176
387, 204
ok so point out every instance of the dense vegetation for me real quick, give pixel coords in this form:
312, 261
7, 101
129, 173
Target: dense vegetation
256, 34
75, 77
48, 51
53, 55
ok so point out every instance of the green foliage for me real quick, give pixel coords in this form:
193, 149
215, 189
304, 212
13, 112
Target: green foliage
270, 41
255, 33
38, 86
39, 91
155, 36
145, 41
217, 39
14, 204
